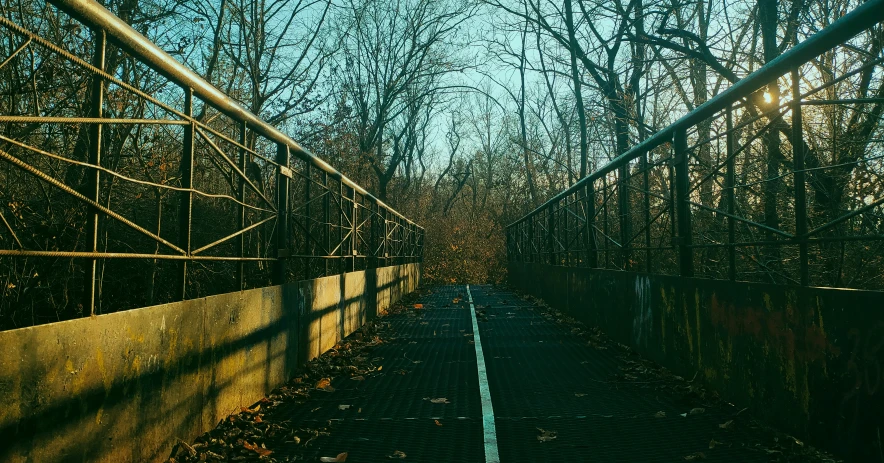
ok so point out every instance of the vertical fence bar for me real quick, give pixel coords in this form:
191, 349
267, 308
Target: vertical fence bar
605, 219
646, 204
565, 220
340, 240
241, 214
800, 183
373, 237
550, 225
185, 211
730, 195
326, 219
673, 230
385, 248
94, 178
282, 214
308, 222
420, 245
400, 231
682, 185
623, 212
590, 225
354, 236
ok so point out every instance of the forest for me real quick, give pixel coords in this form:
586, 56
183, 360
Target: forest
462, 115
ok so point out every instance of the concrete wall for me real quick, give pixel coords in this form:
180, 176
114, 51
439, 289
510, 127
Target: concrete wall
808, 360
122, 387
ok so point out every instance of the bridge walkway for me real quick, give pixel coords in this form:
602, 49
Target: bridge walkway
412, 389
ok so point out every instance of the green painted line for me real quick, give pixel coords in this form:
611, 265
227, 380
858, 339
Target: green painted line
488, 427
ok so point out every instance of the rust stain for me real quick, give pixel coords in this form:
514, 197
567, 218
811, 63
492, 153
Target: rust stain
780, 329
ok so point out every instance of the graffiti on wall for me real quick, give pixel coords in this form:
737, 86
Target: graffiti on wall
643, 319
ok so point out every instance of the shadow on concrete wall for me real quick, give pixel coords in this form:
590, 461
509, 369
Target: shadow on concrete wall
125, 386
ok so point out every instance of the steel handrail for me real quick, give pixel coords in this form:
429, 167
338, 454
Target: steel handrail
94, 15
848, 26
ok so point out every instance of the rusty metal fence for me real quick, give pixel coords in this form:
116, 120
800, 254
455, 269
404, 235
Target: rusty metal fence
777, 179
127, 180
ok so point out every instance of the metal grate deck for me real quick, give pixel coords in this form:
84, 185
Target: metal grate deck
542, 376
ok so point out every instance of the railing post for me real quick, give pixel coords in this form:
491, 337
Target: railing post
241, 216
282, 214
682, 184
800, 183
93, 179
730, 195
185, 212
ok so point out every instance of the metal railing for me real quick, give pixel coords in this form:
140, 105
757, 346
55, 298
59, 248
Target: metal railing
784, 191
128, 180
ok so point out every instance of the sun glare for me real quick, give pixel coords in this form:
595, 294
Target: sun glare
767, 97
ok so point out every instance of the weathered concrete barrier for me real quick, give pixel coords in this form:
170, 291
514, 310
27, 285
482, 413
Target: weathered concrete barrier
123, 387
808, 360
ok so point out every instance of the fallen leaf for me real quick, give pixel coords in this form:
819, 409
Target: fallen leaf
439, 400
713, 443
397, 455
342, 457
358, 378
727, 425
344, 407
380, 367
256, 448
698, 411
418, 306
695, 456
323, 383
579, 394
546, 436
258, 419
437, 422
660, 414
